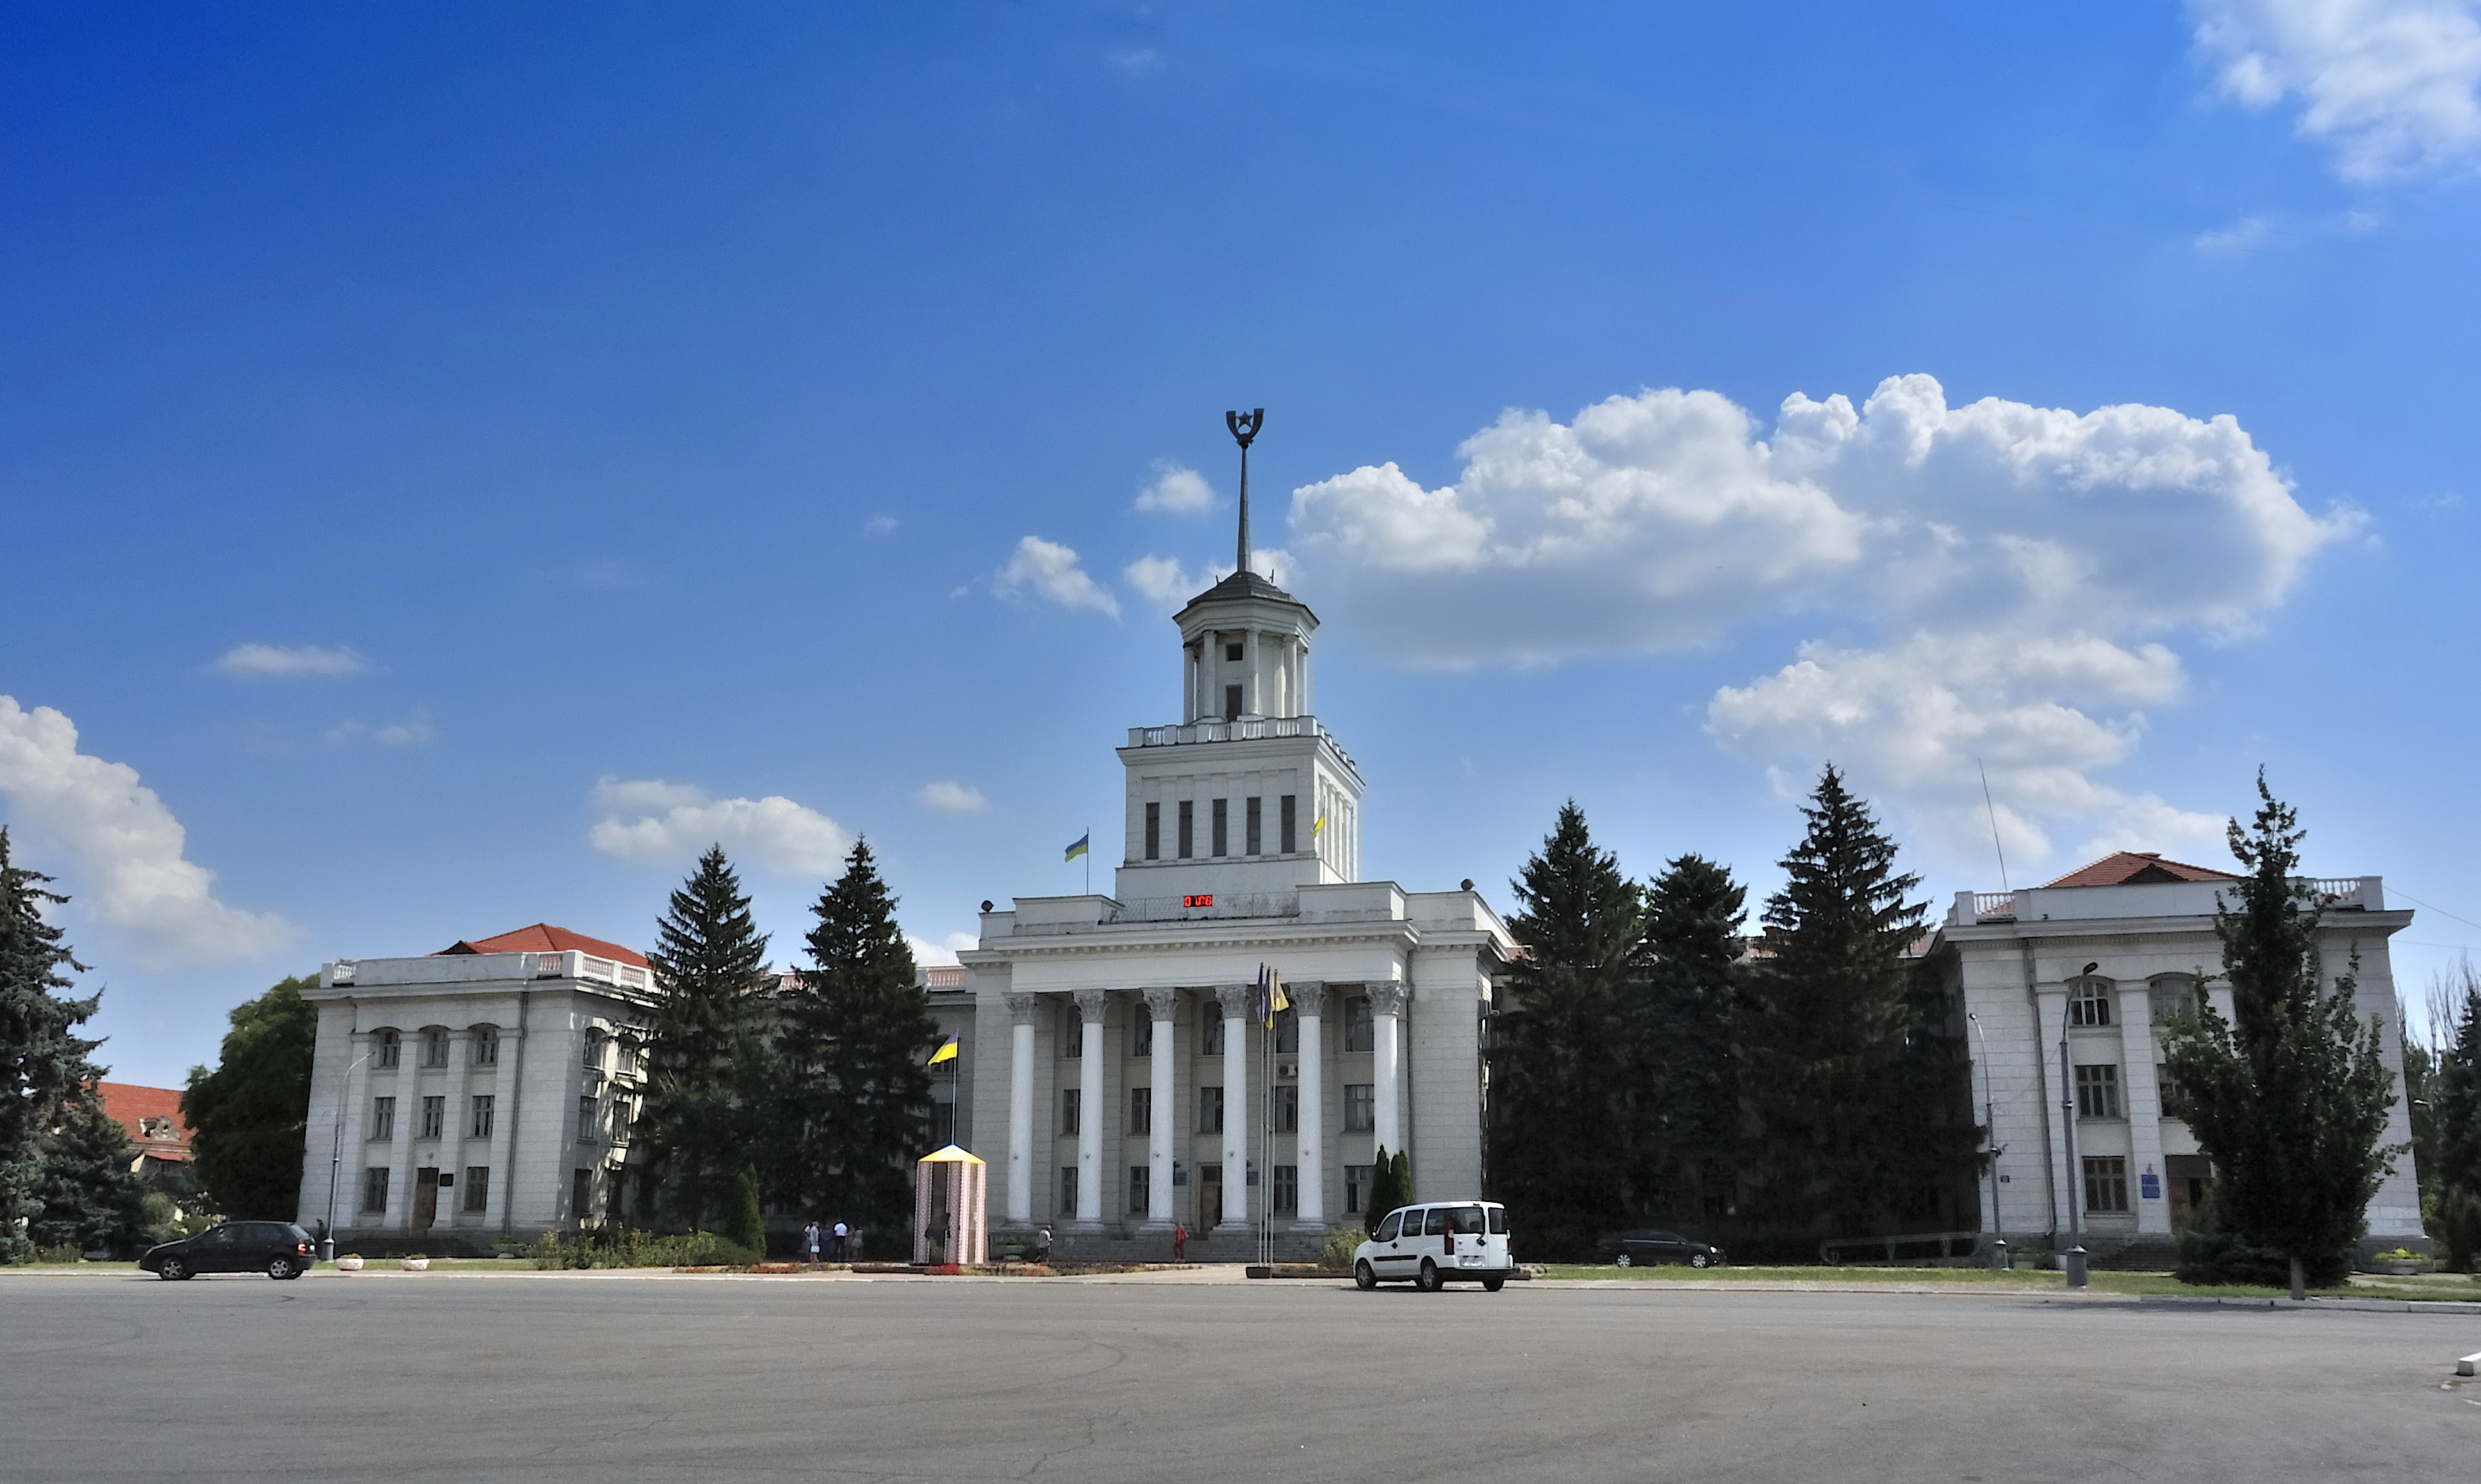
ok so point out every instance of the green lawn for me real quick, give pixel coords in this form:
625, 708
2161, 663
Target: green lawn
2427, 1286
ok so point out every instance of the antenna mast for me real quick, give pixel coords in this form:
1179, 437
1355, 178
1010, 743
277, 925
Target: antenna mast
1244, 427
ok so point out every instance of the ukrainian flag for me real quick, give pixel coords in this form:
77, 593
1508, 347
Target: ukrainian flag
947, 1051
1270, 996
1079, 849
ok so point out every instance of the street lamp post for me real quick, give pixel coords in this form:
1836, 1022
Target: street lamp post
335, 1159
2073, 1260
1989, 1116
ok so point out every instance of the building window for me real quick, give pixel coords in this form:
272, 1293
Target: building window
1153, 832
2106, 1185
383, 1119
388, 1049
1222, 826
1288, 1110
1072, 1030
1359, 1107
434, 1117
1287, 816
1141, 1186
1250, 824
1356, 1187
1288, 1032
1141, 1110
1232, 652
374, 1189
1231, 703
1357, 1035
478, 1187
580, 1192
1068, 1189
1209, 1111
1210, 1028
623, 1118
434, 1048
2089, 1003
1142, 1031
486, 1046
1072, 1110
590, 1052
1286, 1199
2174, 1100
2172, 994
478, 1125
2098, 1092
586, 1118
1188, 828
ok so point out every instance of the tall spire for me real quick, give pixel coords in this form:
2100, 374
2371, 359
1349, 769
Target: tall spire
1244, 427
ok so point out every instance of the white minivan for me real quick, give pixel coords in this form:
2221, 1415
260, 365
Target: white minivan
1439, 1242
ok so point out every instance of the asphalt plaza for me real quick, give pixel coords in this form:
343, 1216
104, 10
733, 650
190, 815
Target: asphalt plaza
594, 1376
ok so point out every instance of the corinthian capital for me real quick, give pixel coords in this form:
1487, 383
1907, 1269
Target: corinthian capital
1309, 998
1020, 1008
1235, 1000
1090, 1004
1162, 1004
1388, 998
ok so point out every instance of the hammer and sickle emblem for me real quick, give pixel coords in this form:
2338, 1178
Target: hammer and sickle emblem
1244, 426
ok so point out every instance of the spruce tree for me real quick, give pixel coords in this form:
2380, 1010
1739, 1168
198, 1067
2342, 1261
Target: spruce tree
708, 1057
249, 1117
854, 1097
1854, 1097
2455, 1129
1679, 1028
1389, 1186
743, 1225
2288, 1098
43, 1066
1562, 1151
86, 1198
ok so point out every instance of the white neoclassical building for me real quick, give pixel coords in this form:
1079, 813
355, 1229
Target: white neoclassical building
2096, 958
1123, 1082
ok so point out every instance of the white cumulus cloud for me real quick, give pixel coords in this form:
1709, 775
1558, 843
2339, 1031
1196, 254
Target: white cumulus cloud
2392, 85
945, 796
1165, 584
674, 822
295, 661
1049, 571
1176, 490
124, 853
927, 953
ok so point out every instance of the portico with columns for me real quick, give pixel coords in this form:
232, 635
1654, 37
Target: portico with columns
1142, 1089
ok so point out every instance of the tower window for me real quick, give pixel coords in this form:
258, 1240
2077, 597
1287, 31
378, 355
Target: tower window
1250, 826
1287, 815
1188, 828
1232, 653
1153, 832
1223, 827
1231, 703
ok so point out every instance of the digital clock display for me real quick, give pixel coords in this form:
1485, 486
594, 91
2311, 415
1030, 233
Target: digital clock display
1206, 900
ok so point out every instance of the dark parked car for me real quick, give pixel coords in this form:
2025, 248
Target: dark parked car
1636, 1249
280, 1249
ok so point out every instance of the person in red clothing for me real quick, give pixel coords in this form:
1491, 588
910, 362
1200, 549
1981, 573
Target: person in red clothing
1179, 1242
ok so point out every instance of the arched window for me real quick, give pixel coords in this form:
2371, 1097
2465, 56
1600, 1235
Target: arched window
485, 1044
2171, 993
2089, 1003
385, 1048
434, 1046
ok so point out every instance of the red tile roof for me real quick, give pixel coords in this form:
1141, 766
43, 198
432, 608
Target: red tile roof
544, 938
128, 1103
2139, 868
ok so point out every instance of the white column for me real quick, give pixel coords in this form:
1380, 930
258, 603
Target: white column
1162, 1004
1020, 1170
2052, 1005
1309, 1002
452, 1124
346, 1153
504, 1117
406, 1086
2144, 1111
1090, 1005
1386, 1094
1235, 1001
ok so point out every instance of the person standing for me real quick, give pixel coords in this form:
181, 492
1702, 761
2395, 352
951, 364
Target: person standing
842, 1232
810, 1240
1179, 1242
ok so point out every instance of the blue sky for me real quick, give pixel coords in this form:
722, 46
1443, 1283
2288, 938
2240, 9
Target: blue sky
455, 464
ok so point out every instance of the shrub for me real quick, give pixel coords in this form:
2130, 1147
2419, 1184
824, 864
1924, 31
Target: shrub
630, 1247
1340, 1242
745, 1226
2459, 1220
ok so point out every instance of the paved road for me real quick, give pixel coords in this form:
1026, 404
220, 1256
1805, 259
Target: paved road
583, 1377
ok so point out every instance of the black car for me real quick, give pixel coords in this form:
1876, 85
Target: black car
1636, 1249
280, 1249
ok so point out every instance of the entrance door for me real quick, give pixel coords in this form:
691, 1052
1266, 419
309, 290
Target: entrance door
426, 1197
1210, 1198
2185, 1175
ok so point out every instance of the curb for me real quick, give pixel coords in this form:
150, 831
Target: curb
2354, 1305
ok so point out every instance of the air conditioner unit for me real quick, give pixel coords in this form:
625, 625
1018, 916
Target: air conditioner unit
1287, 1071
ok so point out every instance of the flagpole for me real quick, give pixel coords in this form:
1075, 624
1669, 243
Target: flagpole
1090, 860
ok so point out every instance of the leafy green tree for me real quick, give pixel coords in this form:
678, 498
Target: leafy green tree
1679, 1030
853, 1099
1562, 1151
2288, 1098
1856, 1100
706, 1051
743, 1225
86, 1197
43, 1064
248, 1117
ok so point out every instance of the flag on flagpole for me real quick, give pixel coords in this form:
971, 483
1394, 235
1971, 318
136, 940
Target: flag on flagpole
947, 1051
1079, 849
1318, 824
1271, 999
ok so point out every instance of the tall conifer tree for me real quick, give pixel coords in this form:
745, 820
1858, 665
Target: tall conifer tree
1561, 1154
248, 1117
2455, 1129
1679, 1027
43, 1064
708, 1071
854, 1094
86, 1198
2289, 1097
1853, 1097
